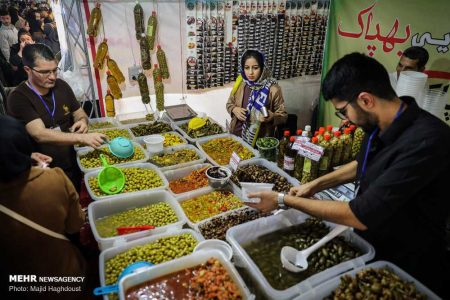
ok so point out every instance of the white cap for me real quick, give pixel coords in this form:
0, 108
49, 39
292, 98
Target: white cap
305, 133
308, 127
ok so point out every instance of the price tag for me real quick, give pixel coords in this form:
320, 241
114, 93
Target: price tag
311, 151
299, 141
234, 161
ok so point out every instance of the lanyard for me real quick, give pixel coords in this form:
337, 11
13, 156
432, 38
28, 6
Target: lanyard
52, 114
364, 166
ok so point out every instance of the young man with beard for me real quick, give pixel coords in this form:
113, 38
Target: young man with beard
50, 112
402, 172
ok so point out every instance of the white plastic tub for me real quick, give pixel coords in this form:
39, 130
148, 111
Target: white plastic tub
200, 154
198, 193
201, 141
270, 166
111, 120
111, 252
326, 288
140, 139
182, 263
86, 150
192, 140
122, 118
183, 172
247, 232
88, 175
109, 207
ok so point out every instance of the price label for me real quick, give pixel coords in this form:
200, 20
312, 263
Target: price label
311, 151
234, 161
299, 141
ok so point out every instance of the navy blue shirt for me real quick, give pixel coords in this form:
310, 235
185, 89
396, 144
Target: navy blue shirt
404, 195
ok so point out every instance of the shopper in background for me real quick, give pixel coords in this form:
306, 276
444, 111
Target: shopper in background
402, 203
255, 88
15, 58
413, 59
8, 34
51, 38
45, 17
50, 111
45, 197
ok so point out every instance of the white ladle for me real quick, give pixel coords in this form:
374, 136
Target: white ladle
296, 261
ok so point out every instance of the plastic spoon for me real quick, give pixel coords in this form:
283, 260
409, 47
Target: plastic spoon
296, 261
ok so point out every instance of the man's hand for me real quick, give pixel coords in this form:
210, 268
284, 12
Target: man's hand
93, 140
268, 201
79, 127
306, 190
240, 113
42, 160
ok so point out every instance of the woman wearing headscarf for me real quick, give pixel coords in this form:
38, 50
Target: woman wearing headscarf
256, 104
44, 199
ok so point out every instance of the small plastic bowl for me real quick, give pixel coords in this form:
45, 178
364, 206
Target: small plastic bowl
218, 177
121, 147
215, 244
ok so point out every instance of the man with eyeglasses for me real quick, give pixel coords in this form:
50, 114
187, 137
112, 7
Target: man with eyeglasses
402, 202
51, 114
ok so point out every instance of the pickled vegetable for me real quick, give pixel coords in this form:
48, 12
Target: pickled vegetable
152, 23
220, 150
109, 103
174, 158
139, 21
358, 137
143, 88
261, 174
112, 133
267, 147
156, 73
211, 204
115, 70
92, 160
195, 180
113, 86
338, 146
149, 129
94, 20
136, 179
208, 129
282, 147
347, 146
146, 59
325, 160
172, 139
102, 50
310, 167
101, 125
158, 215
148, 118
161, 56
156, 252
159, 91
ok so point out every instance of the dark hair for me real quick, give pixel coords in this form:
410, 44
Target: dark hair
22, 31
355, 73
417, 53
4, 12
32, 52
256, 55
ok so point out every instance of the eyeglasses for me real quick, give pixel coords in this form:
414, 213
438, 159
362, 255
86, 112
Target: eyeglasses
342, 112
46, 73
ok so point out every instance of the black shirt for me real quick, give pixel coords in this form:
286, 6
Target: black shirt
403, 198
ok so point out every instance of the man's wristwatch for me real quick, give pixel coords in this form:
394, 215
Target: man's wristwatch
280, 200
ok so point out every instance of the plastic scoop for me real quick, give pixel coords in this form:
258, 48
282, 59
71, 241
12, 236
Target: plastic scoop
121, 147
114, 288
296, 261
111, 180
196, 123
131, 229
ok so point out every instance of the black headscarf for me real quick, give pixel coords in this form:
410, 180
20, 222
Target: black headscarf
15, 149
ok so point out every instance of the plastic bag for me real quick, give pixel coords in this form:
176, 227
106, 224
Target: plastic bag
73, 78
253, 187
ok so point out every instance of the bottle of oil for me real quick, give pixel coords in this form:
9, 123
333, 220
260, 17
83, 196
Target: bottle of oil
159, 91
337, 145
143, 88
152, 23
325, 160
358, 137
94, 20
300, 159
289, 157
282, 147
162, 62
114, 68
139, 20
102, 50
109, 103
347, 146
156, 73
113, 86
146, 59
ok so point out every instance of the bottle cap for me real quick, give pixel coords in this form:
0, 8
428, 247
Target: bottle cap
321, 130
107, 57
337, 133
142, 34
308, 127
292, 139
155, 66
108, 72
97, 5
305, 133
352, 127
286, 133
108, 91
159, 47
105, 40
329, 128
347, 131
327, 137
314, 140
299, 132
316, 133
159, 78
153, 13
